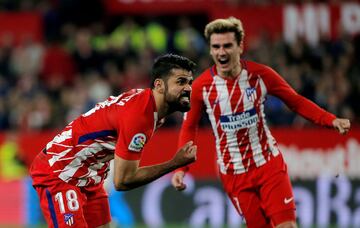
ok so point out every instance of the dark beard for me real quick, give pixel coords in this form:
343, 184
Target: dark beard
178, 106
175, 104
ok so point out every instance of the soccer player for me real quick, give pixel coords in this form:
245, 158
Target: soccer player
232, 92
68, 174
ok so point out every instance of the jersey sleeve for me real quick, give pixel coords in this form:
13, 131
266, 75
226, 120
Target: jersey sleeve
191, 119
134, 132
278, 87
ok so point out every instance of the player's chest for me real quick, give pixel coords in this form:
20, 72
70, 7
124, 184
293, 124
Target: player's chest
232, 96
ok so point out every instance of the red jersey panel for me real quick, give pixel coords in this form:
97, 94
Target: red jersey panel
235, 107
80, 154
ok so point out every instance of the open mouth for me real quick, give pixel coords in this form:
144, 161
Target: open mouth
185, 97
223, 61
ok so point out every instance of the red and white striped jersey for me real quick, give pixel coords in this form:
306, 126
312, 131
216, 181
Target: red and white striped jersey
80, 154
235, 107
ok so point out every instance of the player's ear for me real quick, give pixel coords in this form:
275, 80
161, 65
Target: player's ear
159, 85
241, 47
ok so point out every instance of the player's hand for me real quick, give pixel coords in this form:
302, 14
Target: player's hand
185, 155
177, 180
341, 125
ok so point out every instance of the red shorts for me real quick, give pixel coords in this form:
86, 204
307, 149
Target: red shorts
263, 196
65, 205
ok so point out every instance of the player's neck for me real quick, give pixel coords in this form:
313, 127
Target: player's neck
233, 73
161, 107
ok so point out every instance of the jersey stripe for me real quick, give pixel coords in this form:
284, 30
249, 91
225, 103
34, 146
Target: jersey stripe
248, 104
210, 110
51, 208
58, 156
95, 135
225, 107
65, 135
270, 139
68, 172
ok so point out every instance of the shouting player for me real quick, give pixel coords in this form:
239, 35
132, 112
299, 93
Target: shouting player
69, 173
233, 91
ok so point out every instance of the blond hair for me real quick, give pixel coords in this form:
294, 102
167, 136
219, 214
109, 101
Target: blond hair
230, 24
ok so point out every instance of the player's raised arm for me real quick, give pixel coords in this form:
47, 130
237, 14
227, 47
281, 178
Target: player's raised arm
128, 175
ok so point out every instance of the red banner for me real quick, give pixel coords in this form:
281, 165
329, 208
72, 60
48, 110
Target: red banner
325, 148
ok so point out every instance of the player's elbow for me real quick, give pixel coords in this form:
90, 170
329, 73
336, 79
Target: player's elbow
120, 186
124, 183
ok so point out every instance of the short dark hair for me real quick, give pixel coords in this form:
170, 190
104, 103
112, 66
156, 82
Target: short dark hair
165, 63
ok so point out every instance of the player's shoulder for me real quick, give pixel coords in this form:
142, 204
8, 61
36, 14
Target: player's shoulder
205, 76
137, 99
134, 96
139, 113
129, 104
136, 93
133, 108
256, 68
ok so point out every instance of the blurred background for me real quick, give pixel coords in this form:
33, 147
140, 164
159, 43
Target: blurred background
60, 57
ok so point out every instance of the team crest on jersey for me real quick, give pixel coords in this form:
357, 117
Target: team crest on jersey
69, 219
137, 142
251, 94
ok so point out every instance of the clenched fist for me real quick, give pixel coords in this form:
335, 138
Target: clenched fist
185, 155
341, 125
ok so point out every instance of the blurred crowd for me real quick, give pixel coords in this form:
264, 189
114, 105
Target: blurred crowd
44, 85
